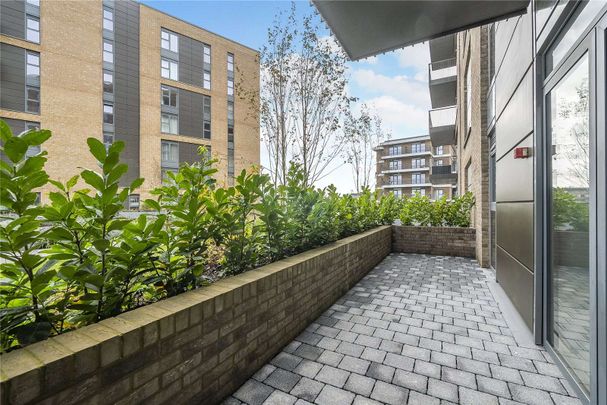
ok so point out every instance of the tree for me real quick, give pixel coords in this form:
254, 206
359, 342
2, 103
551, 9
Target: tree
361, 135
302, 97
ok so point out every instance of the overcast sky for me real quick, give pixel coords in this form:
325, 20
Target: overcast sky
395, 84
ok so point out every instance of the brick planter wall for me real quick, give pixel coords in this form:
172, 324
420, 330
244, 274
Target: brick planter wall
197, 347
442, 241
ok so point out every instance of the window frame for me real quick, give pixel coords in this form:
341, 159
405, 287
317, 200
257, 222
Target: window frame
172, 119
28, 29
169, 40
109, 20
170, 64
111, 82
108, 52
172, 91
108, 113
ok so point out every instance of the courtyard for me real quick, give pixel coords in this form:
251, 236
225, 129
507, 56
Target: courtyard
417, 329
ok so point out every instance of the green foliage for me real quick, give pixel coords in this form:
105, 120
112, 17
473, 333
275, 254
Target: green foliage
77, 259
420, 210
568, 212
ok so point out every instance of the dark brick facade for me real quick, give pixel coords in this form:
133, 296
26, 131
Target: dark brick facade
433, 240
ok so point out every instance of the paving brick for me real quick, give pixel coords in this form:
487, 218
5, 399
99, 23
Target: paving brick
416, 352
398, 361
375, 355
354, 365
527, 395
360, 384
307, 389
264, 372
308, 352
410, 380
380, 372
443, 390
334, 396
308, 368
506, 374
416, 398
427, 369
459, 377
430, 344
472, 397
286, 361
493, 386
253, 392
517, 363
350, 349
542, 382
473, 366
365, 401
483, 355
282, 380
389, 394
330, 358
333, 376
457, 350
565, 400
280, 398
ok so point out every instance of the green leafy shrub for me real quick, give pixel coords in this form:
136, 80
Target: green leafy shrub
77, 259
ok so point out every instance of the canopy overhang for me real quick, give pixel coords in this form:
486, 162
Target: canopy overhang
365, 28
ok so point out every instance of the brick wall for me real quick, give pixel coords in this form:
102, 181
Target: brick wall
443, 241
197, 347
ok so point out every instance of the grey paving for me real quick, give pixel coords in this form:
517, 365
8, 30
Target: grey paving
418, 329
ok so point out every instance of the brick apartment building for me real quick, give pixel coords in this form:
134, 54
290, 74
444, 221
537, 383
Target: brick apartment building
409, 166
120, 70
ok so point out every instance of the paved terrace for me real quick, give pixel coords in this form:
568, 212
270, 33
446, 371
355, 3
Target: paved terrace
417, 329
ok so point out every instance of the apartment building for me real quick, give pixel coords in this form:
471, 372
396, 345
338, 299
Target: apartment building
526, 82
409, 166
120, 70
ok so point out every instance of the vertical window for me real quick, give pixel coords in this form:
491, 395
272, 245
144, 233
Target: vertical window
169, 158
108, 82
35, 3
33, 99
169, 69
394, 150
206, 75
108, 139
170, 96
230, 111
32, 29
438, 162
169, 123
398, 193
206, 118
169, 41
108, 52
468, 96
230, 62
439, 194
134, 202
439, 150
108, 114
230, 87
469, 177
108, 19
33, 67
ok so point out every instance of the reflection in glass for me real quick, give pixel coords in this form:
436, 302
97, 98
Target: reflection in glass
570, 316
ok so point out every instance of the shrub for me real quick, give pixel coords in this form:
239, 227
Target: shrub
77, 260
421, 211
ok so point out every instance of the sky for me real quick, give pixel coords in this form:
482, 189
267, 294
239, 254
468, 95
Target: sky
395, 84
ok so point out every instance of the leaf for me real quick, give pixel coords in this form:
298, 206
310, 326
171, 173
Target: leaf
5, 131
36, 137
97, 149
136, 183
93, 179
72, 182
153, 204
15, 148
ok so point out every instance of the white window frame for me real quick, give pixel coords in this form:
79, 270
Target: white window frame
206, 54
169, 41
206, 80
108, 111
230, 87
230, 62
32, 28
468, 95
439, 194
32, 61
170, 90
108, 19
108, 51
167, 149
107, 74
169, 69
169, 123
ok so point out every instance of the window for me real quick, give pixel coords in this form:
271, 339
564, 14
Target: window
108, 82
169, 123
230, 62
395, 179
207, 54
469, 177
438, 162
169, 41
108, 114
108, 19
230, 111
35, 3
417, 178
170, 96
206, 80
230, 87
108, 139
134, 202
33, 99
398, 193
419, 191
108, 52
468, 96
169, 69
32, 29
169, 154
418, 163
206, 118
396, 164
394, 150
439, 194
418, 148
33, 67
439, 150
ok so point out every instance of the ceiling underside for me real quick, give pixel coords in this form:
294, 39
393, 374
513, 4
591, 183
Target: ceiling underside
366, 28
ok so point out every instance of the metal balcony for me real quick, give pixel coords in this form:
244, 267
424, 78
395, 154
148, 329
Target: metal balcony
442, 83
443, 175
442, 48
441, 122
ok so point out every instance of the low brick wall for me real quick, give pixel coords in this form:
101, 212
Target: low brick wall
442, 241
198, 347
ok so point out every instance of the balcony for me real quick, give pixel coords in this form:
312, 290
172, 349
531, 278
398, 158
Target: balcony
442, 48
441, 122
404, 170
443, 175
410, 153
442, 82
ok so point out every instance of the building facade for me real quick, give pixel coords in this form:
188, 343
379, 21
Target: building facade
120, 70
409, 166
530, 133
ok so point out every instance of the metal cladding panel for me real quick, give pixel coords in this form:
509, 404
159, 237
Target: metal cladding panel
514, 180
442, 48
12, 18
443, 93
126, 89
515, 230
188, 152
517, 281
366, 28
516, 119
12, 77
190, 113
190, 61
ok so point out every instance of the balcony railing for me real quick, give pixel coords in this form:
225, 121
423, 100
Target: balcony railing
443, 174
444, 69
441, 122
